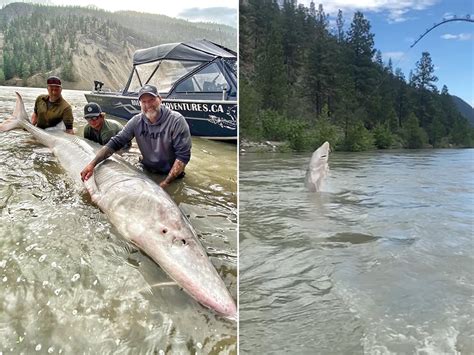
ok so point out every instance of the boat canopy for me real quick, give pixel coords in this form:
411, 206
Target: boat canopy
196, 51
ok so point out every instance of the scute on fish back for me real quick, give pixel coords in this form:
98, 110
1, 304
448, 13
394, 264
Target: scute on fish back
142, 212
318, 168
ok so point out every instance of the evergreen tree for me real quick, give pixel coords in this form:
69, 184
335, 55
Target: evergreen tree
378, 58
423, 80
361, 41
390, 66
340, 27
424, 77
270, 68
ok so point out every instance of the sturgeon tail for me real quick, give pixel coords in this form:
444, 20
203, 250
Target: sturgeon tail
19, 115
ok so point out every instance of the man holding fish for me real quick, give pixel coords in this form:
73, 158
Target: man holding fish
162, 135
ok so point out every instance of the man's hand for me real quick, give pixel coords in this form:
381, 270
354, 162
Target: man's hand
87, 172
70, 131
34, 119
101, 155
176, 170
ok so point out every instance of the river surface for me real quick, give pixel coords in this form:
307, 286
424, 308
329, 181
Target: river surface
380, 262
70, 284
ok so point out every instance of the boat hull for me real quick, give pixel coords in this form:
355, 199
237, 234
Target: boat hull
206, 118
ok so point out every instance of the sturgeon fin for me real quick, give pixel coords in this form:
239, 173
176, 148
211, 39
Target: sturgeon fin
93, 189
19, 114
149, 289
164, 284
9, 124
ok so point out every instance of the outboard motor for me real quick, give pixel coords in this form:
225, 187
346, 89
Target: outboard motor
98, 85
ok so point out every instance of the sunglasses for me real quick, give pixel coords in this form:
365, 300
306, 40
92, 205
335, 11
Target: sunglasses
92, 118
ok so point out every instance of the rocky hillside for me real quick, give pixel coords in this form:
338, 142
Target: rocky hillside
86, 44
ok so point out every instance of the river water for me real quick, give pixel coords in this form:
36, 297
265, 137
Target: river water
380, 262
70, 284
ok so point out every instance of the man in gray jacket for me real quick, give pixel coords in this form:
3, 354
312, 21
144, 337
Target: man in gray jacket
162, 136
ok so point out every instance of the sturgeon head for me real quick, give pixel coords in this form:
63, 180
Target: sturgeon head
318, 168
146, 215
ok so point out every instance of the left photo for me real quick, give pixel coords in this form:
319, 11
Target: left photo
118, 177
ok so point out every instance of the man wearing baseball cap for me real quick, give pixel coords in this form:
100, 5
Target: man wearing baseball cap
52, 109
162, 136
99, 129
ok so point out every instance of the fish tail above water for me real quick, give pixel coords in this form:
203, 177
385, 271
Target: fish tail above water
318, 168
19, 115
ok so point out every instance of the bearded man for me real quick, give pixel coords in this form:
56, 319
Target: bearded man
162, 136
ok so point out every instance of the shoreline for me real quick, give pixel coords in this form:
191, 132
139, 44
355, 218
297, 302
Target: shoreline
248, 146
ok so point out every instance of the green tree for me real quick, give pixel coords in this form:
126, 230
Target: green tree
340, 27
415, 136
383, 138
424, 77
361, 42
270, 71
462, 133
358, 138
250, 104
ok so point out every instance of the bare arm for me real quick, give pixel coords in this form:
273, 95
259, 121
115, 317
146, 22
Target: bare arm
101, 155
34, 119
176, 170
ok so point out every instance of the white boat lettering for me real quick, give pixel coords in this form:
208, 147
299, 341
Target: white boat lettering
184, 106
217, 108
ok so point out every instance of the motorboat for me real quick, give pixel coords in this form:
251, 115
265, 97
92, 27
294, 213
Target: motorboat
196, 78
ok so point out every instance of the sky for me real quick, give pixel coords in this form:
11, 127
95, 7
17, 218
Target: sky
218, 11
396, 24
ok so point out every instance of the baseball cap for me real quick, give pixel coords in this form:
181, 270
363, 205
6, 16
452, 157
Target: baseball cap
53, 80
91, 110
148, 89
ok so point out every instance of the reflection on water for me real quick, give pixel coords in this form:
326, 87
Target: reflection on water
380, 262
69, 283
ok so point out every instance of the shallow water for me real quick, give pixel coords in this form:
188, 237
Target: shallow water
70, 284
380, 262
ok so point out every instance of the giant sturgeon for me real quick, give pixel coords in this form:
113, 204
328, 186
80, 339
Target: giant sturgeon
318, 168
142, 212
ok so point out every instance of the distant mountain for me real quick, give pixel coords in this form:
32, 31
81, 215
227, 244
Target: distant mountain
44, 2
164, 29
83, 44
464, 108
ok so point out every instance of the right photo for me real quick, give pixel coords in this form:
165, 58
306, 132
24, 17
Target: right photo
356, 177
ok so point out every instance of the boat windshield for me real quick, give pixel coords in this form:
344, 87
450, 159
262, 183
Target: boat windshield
168, 72
231, 65
208, 79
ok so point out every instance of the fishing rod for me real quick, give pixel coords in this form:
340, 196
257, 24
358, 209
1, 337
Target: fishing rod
455, 18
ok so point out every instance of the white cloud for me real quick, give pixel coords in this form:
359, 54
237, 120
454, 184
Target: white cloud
394, 55
396, 9
459, 37
224, 15
448, 15
165, 7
